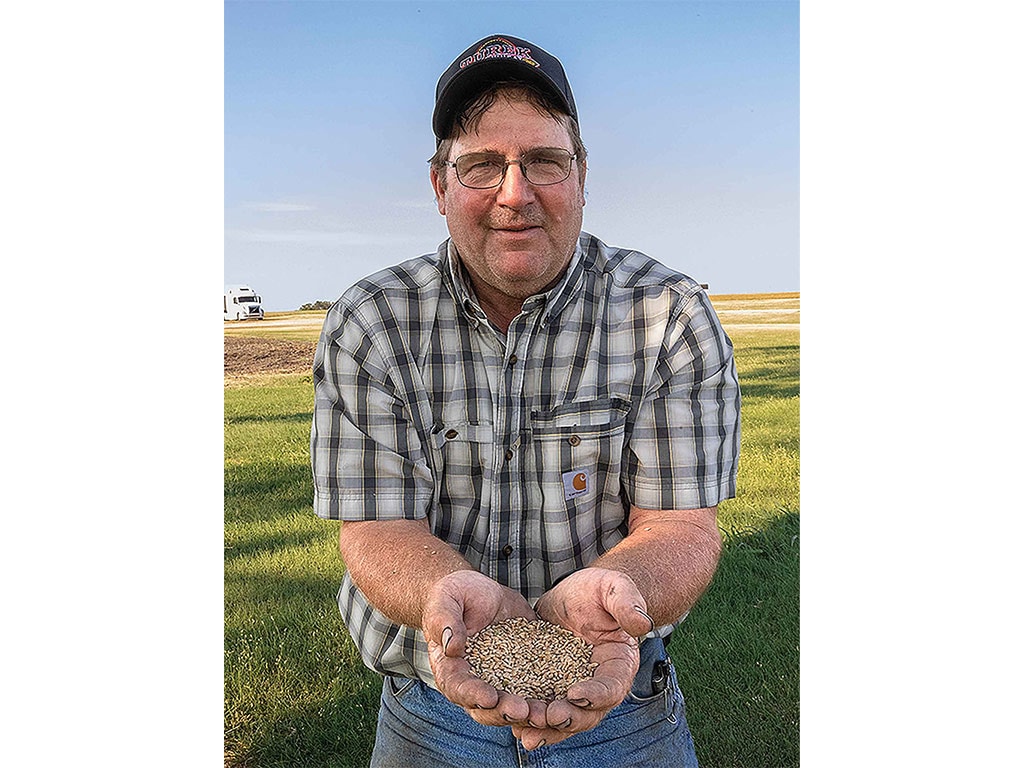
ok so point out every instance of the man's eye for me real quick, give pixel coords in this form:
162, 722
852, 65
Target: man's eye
548, 162
472, 163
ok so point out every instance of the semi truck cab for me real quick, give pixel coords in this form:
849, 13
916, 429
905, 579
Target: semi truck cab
242, 303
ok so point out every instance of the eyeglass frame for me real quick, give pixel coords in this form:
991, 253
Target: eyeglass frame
504, 171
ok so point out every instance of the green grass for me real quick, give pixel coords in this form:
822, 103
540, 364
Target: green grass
296, 692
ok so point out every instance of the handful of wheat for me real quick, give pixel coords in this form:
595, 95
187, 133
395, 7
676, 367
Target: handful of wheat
532, 659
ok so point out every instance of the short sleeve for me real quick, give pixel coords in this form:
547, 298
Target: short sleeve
683, 452
368, 457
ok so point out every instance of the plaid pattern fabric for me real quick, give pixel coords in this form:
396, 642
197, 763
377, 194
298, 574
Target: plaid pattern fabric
526, 450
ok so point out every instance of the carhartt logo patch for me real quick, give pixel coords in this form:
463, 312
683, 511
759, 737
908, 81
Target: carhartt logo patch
575, 483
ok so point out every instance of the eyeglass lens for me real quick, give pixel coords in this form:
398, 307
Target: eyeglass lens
481, 170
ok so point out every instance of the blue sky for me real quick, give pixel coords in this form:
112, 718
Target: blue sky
689, 110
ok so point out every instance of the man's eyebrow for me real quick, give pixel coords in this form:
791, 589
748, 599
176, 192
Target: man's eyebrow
489, 151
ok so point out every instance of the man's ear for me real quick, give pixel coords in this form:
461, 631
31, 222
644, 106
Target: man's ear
583, 181
439, 190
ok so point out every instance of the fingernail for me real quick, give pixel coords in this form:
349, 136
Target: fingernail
644, 613
566, 724
506, 718
580, 702
446, 640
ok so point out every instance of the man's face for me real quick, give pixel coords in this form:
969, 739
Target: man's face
515, 239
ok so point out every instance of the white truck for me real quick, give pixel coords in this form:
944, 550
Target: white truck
242, 303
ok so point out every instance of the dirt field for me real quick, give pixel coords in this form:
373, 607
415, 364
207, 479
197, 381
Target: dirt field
253, 356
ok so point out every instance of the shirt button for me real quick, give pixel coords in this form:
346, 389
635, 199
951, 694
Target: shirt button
574, 440
509, 455
506, 550
513, 360
451, 434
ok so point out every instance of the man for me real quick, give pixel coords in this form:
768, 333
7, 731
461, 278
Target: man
526, 423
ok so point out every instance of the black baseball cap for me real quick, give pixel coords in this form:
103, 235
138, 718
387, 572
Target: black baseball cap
498, 57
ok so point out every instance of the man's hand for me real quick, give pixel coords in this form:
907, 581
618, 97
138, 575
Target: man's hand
606, 609
458, 606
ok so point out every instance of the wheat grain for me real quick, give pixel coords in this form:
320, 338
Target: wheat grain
533, 659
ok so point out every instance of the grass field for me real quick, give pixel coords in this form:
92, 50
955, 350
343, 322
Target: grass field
295, 691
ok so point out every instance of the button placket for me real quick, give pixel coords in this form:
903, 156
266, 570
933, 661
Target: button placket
512, 490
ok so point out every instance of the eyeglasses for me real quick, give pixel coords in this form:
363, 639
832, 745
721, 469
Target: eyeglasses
541, 167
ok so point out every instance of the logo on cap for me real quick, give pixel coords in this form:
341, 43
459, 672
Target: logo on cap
499, 48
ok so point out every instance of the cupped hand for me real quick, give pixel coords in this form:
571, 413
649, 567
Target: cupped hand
605, 608
458, 606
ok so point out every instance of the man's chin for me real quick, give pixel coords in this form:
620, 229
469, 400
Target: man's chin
522, 284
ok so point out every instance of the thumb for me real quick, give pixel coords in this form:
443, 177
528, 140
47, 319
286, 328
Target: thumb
443, 622
628, 607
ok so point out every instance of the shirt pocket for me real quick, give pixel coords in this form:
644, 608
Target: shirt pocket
462, 461
577, 450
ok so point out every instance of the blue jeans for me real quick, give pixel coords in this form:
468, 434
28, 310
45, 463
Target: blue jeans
419, 728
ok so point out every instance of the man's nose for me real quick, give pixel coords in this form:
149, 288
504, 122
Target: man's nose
514, 191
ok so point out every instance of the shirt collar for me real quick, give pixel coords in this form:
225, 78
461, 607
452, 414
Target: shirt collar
568, 288
462, 291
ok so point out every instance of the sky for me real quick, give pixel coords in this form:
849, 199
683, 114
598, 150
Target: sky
689, 111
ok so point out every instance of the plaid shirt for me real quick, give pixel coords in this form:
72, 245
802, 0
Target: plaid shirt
524, 450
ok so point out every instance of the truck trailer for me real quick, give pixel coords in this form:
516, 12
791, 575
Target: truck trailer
242, 303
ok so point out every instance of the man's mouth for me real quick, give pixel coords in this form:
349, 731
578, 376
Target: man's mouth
520, 223
517, 227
